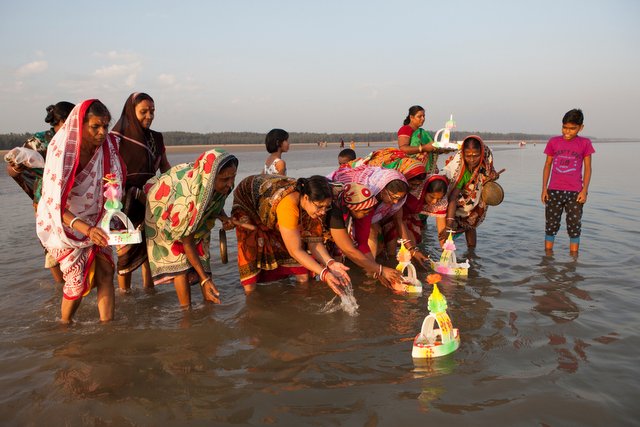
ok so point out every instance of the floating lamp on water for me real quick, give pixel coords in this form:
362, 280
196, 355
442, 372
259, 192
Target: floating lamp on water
113, 206
410, 282
448, 263
435, 341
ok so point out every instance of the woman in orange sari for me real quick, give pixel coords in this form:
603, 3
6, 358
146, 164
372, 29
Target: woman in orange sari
287, 215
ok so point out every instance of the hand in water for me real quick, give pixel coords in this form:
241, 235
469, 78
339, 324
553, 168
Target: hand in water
390, 276
339, 270
420, 257
210, 292
336, 284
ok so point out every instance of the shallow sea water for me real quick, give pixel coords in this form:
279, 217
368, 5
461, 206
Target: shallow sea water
545, 340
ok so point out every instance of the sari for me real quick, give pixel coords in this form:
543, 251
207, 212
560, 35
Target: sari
80, 192
393, 158
415, 211
429, 159
181, 202
262, 254
375, 179
470, 208
141, 150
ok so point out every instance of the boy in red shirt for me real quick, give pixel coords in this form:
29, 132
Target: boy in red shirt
567, 190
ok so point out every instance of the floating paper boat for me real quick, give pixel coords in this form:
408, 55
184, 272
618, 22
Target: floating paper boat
410, 282
437, 337
448, 264
113, 206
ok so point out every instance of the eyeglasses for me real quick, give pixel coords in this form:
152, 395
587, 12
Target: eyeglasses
321, 208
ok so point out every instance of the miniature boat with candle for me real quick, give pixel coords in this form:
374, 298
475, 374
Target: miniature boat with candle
113, 206
410, 282
448, 263
437, 336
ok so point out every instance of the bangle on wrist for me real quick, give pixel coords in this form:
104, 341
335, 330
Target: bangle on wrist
322, 274
72, 221
329, 262
420, 148
208, 279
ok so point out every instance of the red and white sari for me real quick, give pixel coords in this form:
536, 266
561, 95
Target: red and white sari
64, 188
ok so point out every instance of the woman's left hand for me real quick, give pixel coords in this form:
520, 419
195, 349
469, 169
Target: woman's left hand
210, 292
335, 283
340, 271
97, 236
420, 257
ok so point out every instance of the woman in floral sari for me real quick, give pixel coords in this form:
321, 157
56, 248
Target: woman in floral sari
182, 206
468, 170
72, 204
287, 215
143, 152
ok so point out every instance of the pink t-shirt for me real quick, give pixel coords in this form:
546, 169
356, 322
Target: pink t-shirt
566, 170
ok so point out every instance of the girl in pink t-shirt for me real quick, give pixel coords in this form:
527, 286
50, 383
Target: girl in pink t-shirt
567, 190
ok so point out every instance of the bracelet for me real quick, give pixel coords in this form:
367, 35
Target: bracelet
331, 260
450, 219
379, 273
72, 221
208, 279
420, 148
15, 170
322, 274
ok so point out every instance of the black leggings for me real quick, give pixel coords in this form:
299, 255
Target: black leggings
560, 200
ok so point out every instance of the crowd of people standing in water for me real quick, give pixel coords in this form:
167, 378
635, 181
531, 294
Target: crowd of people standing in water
306, 227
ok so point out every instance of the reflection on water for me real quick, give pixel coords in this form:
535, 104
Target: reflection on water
544, 339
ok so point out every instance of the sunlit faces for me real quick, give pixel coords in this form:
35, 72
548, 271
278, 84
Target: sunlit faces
570, 130
417, 120
471, 157
225, 179
342, 160
391, 198
433, 198
94, 130
145, 112
316, 209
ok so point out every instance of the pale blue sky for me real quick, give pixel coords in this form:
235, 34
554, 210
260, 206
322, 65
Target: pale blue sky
327, 66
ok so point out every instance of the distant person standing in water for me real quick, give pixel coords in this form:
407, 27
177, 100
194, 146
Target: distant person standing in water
143, 152
277, 142
567, 190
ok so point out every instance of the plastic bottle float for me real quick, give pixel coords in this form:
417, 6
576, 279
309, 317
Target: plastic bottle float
448, 264
443, 136
410, 282
113, 206
436, 341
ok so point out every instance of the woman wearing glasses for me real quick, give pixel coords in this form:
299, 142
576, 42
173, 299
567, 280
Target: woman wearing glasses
288, 216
